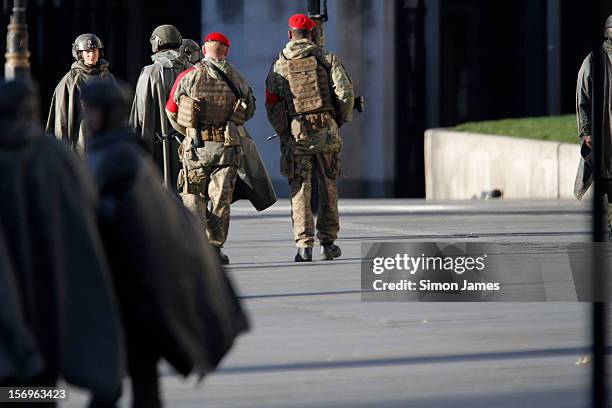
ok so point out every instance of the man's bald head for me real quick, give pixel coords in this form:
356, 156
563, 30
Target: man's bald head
215, 50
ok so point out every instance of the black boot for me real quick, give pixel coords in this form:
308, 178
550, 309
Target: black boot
304, 255
224, 259
330, 251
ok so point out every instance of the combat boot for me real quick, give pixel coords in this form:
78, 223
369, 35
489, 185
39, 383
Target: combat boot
304, 255
330, 251
223, 259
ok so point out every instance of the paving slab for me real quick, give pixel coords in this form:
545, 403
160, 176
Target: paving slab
315, 344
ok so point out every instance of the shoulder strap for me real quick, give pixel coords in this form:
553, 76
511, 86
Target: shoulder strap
324, 64
225, 79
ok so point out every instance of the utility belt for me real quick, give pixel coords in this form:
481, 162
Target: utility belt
313, 133
190, 117
209, 132
226, 133
304, 124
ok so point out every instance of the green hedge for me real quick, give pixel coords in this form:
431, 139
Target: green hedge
556, 128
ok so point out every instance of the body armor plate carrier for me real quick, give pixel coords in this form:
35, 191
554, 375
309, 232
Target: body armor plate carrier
309, 86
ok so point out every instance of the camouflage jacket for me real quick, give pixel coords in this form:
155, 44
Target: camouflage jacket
278, 92
215, 153
186, 81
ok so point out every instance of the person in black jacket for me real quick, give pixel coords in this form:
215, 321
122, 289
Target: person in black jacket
175, 299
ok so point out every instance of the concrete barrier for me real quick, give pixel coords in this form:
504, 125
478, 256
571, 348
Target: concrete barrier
460, 165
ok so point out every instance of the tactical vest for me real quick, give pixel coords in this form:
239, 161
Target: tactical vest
308, 85
216, 98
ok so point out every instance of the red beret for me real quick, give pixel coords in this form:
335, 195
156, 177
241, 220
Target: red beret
219, 37
301, 22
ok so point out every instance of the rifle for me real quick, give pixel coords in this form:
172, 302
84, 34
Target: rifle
164, 139
197, 140
172, 133
317, 11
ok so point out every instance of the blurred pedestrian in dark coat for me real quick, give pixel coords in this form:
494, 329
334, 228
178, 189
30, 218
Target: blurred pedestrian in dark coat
176, 301
53, 270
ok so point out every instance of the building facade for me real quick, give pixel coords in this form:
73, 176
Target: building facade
419, 63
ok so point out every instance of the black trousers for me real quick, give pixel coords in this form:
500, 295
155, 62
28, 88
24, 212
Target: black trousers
144, 378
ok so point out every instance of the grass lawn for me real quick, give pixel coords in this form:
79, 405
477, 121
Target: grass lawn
557, 128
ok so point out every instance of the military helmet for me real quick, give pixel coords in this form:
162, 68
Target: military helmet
86, 42
165, 36
192, 50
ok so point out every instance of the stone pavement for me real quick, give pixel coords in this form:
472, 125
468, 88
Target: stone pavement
315, 344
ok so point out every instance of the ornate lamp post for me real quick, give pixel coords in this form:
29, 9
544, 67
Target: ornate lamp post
17, 55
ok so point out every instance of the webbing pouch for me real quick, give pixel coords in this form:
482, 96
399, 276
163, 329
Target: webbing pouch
304, 85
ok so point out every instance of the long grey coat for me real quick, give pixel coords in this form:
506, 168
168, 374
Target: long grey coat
148, 116
584, 92
253, 181
65, 121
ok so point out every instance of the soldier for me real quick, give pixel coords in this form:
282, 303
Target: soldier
308, 97
176, 301
65, 113
584, 94
152, 90
192, 50
209, 105
63, 299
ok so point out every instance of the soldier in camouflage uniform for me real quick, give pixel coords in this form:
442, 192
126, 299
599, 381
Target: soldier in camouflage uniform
308, 97
208, 104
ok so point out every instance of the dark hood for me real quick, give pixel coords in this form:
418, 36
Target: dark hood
171, 59
299, 49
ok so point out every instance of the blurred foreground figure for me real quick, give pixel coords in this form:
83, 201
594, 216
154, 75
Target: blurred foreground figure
148, 117
63, 320
584, 106
65, 121
308, 97
175, 299
209, 104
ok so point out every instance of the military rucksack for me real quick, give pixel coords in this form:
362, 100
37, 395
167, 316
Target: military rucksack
309, 103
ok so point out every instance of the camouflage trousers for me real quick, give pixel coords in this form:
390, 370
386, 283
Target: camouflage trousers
210, 197
327, 168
